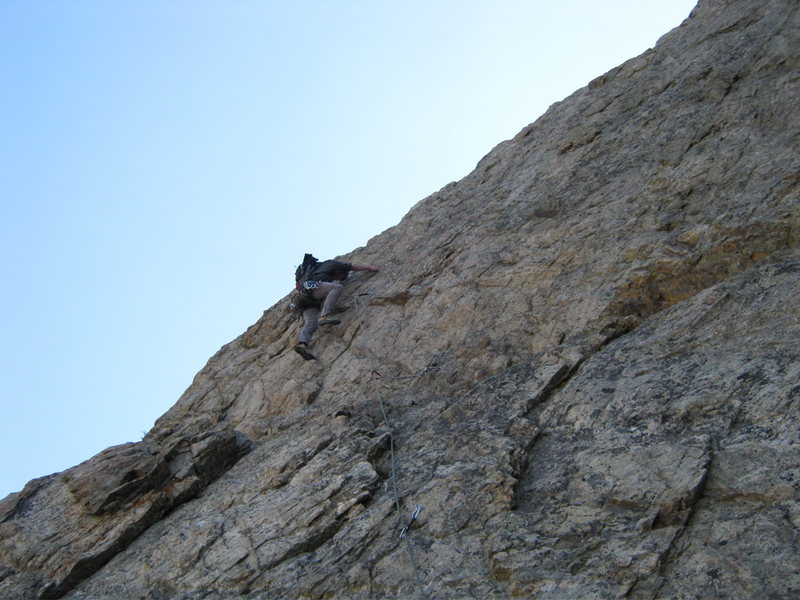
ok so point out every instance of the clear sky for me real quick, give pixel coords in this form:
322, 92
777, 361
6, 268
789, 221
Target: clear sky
165, 164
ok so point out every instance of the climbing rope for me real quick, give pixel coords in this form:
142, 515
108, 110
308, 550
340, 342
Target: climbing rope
431, 367
374, 377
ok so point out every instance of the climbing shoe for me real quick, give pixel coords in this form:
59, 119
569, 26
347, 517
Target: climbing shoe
328, 321
303, 351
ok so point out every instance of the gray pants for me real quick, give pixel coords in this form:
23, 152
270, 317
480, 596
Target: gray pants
329, 292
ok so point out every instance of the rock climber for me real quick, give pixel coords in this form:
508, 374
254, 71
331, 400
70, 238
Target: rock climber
318, 290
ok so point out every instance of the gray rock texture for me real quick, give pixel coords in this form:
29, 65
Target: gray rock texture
581, 360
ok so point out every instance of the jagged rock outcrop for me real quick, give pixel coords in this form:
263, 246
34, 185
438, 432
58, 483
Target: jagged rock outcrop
581, 360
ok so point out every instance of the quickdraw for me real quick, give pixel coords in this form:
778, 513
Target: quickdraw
414, 515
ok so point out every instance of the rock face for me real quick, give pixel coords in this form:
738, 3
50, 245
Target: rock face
581, 361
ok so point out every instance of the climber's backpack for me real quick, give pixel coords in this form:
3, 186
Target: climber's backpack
304, 270
301, 299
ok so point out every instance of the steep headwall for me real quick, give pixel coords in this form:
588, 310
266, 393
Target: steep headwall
581, 360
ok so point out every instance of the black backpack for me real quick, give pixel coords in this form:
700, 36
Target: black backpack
304, 270
301, 300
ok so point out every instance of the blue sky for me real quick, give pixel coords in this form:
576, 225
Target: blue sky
165, 165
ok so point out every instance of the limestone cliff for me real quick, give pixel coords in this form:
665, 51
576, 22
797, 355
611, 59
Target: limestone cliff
581, 360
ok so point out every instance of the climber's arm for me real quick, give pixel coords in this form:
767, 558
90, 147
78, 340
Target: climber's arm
364, 268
